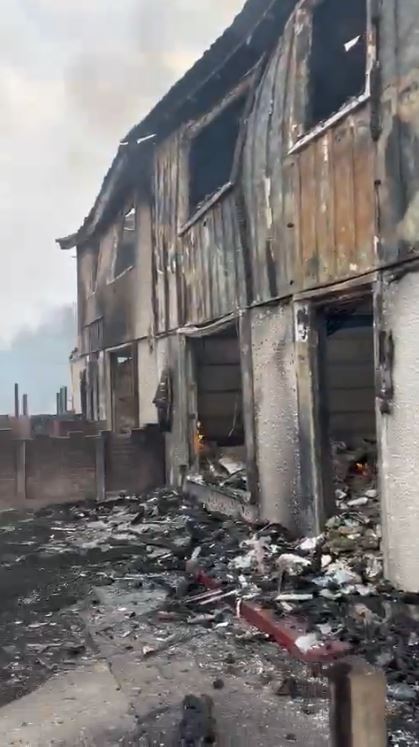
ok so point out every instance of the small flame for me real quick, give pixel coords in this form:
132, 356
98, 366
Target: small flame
362, 469
199, 438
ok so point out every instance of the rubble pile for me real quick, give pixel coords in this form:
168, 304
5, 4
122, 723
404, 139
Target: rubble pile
223, 467
334, 581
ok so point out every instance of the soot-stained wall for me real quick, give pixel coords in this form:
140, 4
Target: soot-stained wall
276, 413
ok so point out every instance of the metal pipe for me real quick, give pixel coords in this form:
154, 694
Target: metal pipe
17, 402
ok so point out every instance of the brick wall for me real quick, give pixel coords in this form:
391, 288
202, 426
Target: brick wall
8, 467
46, 470
61, 469
134, 463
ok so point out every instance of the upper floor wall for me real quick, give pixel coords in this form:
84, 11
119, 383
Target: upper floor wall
305, 174
298, 208
198, 236
398, 147
332, 193
308, 173
115, 282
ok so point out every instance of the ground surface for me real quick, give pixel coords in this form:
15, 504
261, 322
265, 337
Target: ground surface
85, 658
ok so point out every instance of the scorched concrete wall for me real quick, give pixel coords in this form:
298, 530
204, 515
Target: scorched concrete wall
399, 468
276, 416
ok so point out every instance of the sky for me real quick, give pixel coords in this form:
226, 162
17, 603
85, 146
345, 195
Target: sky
75, 75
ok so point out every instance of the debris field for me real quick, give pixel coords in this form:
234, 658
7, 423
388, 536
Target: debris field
333, 582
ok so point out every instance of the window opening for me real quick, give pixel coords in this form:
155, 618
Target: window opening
124, 391
338, 62
211, 155
125, 250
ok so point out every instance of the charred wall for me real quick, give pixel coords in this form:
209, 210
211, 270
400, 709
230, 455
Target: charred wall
310, 207
198, 265
107, 314
398, 427
276, 413
398, 147
115, 310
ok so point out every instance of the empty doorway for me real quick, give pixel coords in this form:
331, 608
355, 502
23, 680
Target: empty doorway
124, 390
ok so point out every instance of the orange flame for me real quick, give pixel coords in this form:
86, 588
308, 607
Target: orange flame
199, 438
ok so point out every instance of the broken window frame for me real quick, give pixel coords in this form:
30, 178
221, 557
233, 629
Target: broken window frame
119, 231
302, 136
244, 90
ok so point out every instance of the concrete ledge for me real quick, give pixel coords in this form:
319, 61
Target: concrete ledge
221, 500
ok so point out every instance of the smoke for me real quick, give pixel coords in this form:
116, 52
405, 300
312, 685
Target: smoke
38, 360
74, 77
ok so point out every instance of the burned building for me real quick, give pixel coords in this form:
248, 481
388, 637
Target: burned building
252, 257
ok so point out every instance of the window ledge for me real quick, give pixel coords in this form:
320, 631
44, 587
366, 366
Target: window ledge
205, 207
351, 106
121, 274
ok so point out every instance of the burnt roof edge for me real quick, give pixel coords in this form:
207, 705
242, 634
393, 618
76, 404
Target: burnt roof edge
243, 28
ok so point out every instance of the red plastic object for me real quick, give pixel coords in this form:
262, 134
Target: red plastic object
285, 631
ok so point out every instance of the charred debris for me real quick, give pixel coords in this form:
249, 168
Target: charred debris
333, 582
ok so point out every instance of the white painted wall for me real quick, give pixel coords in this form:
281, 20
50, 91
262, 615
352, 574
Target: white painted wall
399, 457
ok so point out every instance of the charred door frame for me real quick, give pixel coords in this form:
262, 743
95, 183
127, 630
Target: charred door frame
132, 349
242, 321
317, 501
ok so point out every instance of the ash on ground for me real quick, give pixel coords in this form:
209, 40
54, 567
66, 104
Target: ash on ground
334, 581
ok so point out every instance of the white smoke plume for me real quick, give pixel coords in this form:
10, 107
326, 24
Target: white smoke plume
75, 75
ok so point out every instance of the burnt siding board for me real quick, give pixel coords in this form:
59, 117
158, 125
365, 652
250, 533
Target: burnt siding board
205, 253
311, 213
398, 147
263, 177
107, 317
336, 213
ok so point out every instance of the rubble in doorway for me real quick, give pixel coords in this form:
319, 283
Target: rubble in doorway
222, 467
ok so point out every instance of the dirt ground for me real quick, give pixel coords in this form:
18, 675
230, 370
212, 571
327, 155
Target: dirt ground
86, 657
